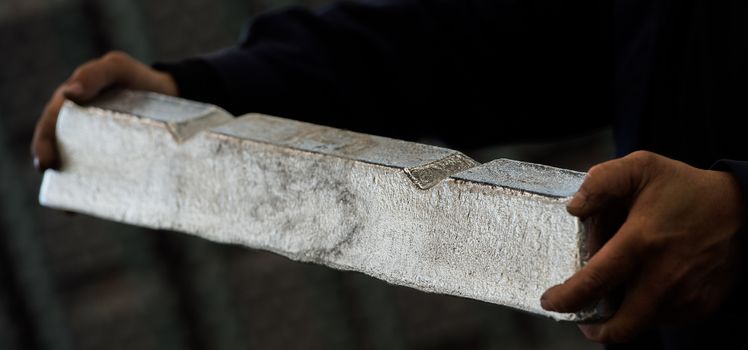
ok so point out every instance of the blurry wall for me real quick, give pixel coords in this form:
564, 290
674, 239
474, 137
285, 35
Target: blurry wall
76, 282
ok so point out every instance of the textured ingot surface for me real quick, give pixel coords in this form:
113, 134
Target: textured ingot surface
410, 214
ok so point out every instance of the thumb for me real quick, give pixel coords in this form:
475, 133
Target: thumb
91, 78
612, 180
74, 90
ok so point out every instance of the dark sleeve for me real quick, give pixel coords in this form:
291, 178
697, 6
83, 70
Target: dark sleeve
739, 169
467, 71
736, 307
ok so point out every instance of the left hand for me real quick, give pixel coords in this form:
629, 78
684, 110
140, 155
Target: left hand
674, 256
86, 82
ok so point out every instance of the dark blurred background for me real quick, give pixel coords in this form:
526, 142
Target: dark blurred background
76, 282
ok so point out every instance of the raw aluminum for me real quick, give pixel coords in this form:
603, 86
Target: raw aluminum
411, 214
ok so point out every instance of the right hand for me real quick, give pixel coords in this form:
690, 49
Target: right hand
86, 82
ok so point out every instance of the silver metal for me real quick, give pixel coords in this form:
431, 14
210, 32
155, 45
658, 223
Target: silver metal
411, 214
428, 175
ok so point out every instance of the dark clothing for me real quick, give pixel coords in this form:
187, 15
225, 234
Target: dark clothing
398, 67
669, 75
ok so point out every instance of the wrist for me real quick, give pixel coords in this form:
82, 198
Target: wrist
729, 192
195, 79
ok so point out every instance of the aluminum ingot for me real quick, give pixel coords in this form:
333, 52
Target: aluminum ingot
410, 214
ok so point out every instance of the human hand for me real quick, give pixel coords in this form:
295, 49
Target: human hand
675, 256
87, 81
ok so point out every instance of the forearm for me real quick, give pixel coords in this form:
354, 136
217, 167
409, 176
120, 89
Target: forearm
397, 68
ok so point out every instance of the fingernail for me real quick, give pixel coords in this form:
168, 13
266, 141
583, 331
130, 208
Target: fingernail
578, 201
36, 163
545, 303
73, 89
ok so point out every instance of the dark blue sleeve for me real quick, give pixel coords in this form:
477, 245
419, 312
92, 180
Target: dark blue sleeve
467, 71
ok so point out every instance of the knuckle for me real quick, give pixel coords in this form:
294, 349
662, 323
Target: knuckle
642, 159
596, 170
79, 72
641, 155
85, 70
116, 57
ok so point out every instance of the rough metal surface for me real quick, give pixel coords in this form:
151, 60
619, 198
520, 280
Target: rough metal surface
411, 214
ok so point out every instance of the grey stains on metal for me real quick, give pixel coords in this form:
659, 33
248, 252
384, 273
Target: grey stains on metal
497, 232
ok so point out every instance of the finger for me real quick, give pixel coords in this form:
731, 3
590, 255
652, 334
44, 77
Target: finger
601, 226
43, 145
86, 82
90, 78
636, 314
607, 269
117, 68
45, 155
615, 179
